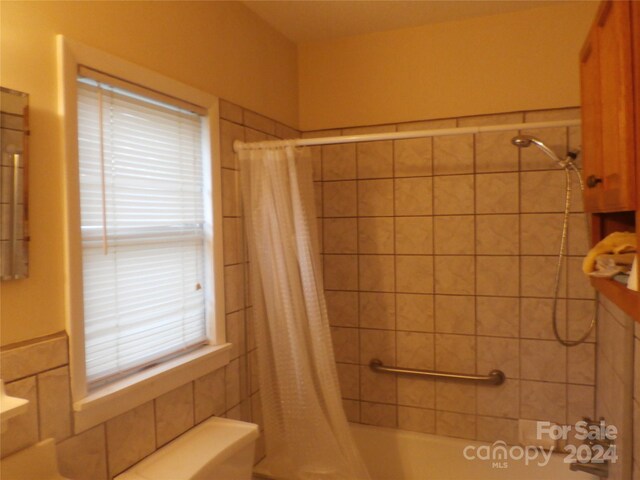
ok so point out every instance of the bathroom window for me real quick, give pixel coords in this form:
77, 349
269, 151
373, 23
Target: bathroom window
142, 206
144, 270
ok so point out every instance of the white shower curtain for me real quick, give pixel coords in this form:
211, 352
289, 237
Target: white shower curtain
307, 435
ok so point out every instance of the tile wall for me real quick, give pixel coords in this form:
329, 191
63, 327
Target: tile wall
615, 383
440, 253
39, 370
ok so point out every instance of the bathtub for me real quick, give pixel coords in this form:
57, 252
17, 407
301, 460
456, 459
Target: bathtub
392, 454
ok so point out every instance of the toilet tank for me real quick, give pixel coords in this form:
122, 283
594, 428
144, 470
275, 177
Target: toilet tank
217, 449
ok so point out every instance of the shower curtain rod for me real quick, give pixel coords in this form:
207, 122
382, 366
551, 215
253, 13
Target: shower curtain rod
371, 137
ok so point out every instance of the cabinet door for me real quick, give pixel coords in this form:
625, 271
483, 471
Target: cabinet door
591, 118
617, 190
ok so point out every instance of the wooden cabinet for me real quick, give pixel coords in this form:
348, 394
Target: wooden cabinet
610, 92
607, 91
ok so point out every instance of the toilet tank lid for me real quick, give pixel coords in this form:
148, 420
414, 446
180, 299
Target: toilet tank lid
208, 444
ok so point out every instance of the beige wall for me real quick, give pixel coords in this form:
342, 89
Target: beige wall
516, 61
219, 47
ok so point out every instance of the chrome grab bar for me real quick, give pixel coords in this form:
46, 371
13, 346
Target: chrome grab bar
495, 377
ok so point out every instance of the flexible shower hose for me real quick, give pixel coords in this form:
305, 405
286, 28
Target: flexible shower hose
568, 167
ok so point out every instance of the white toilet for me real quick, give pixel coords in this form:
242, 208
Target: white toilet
217, 449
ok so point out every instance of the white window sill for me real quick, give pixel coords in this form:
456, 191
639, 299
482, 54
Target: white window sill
126, 394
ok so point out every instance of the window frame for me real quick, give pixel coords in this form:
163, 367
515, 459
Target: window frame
92, 408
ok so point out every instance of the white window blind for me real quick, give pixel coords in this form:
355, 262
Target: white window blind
142, 220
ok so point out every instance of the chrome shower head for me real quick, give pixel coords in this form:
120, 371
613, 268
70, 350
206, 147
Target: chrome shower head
523, 141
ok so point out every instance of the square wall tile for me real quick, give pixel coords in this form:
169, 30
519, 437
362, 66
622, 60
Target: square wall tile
233, 240
377, 387
416, 392
174, 413
542, 192
339, 162
497, 234
417, 419
495, 353
495, 153
378, 310
345, 344
342, 308
376, 273
537, 317
33, 358
230, 193
234, 287
414, 235
543, 401
340, 235
413, 196
453, 195
581, 364
130, 437
543, 360
498, 276
579, 232
414, 273
209, 395
340, 199
455, 314
235, 330
349, 378
414, 312
500, 401
541, 233
453, 154
341, 272
455, 353
455, 275
413, 157
380, 344
455, 397
84, 456
460, 425
580, 314
498, 316
454, 235
375, 159
375, 235
415, 350
234, 386
497, 193
491, 429
537, 276
375, 198
54, 402
379, 414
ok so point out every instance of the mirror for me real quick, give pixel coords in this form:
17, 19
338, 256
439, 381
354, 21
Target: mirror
14, 232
